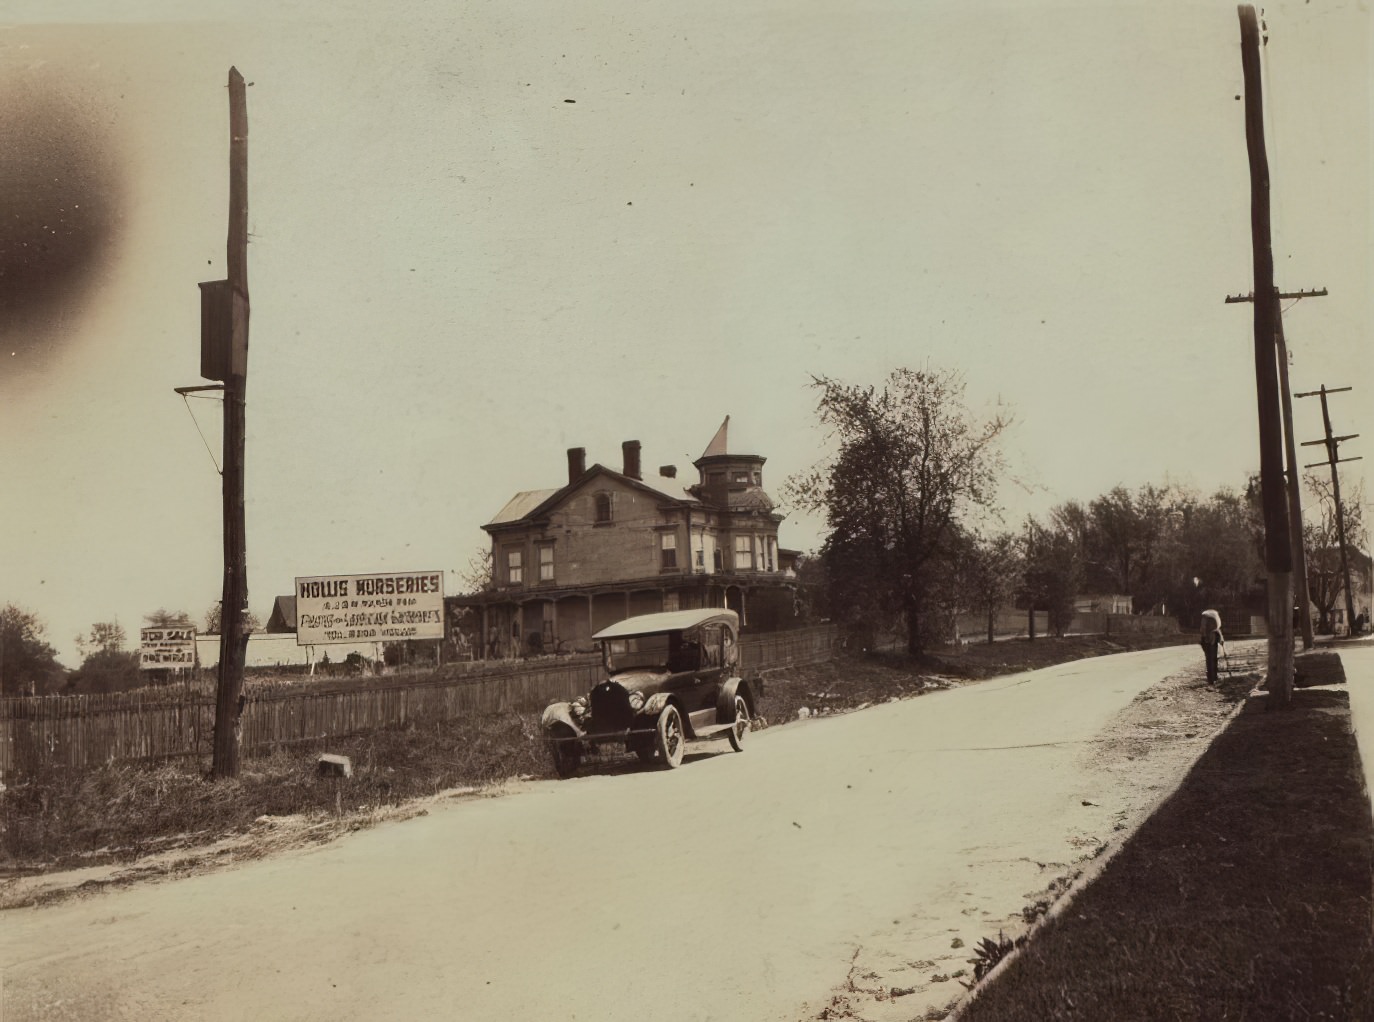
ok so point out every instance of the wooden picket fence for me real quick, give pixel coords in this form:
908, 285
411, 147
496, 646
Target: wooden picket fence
79, 732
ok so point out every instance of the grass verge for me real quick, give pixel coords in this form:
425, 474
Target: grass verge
120, 813
1247, 895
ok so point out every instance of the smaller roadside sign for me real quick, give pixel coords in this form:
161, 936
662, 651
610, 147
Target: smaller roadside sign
164, 648
385, 607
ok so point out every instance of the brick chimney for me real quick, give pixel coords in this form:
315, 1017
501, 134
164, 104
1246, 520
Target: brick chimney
577, 463
630, 448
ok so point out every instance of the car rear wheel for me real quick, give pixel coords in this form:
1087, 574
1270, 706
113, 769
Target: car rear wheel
741, 725
670, 737
567, 753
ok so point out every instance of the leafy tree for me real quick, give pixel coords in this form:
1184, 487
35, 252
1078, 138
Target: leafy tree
995, 568
912, 468
1053, 574
104, 637
161, 618
28, 665
105, 666
1152, 543
476, 577
1213, 555
212, 619
1119, 536
106, 670
1321, 538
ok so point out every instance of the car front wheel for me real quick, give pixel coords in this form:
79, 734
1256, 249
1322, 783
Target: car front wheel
567, 753
741, 725
670, 738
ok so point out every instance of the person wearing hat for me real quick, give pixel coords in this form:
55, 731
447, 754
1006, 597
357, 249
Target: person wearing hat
1212, 640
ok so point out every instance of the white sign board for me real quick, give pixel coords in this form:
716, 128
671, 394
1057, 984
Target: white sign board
370, 608
163, 648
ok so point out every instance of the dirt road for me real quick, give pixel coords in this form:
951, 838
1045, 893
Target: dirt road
830, 862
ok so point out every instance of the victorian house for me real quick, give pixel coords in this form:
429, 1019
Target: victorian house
609, 544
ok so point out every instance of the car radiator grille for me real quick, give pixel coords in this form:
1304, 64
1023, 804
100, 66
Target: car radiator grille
610, 707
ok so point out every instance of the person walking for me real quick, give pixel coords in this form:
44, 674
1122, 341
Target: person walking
1212, 640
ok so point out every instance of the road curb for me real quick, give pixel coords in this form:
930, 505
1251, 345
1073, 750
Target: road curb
1094, 868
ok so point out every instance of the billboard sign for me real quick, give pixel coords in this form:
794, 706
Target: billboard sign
385, 607
160, 649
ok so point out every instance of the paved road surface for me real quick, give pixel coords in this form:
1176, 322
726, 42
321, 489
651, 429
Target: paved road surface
740, 887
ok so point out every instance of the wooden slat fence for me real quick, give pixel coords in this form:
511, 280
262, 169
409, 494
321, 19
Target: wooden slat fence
89, 731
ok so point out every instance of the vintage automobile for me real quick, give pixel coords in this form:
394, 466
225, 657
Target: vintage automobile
670, 679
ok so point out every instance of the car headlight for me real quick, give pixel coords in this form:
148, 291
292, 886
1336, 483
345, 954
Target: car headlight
636, 701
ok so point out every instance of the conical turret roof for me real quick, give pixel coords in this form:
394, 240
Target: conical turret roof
720, 442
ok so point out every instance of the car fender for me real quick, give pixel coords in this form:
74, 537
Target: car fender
725, 702
560, 713
654, 705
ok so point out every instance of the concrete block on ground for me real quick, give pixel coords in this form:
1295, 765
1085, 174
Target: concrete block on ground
1317, 668
334, 766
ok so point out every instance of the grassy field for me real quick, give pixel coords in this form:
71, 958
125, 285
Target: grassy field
121, 813
1247, 895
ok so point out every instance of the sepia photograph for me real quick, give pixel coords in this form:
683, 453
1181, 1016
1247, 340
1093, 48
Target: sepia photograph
743, 511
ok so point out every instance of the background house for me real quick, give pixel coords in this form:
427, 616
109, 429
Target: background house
606, 545
1103, 603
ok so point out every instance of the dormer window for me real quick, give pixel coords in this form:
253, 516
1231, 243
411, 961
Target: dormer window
603, 508
741, 477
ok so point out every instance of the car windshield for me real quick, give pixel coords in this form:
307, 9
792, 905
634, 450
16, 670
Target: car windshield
638, 653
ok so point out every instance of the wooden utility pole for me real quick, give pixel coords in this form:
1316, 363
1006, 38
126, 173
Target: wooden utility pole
1299, 555
1030, 588
233, 644
1300, 587
1278, 550
1333, 459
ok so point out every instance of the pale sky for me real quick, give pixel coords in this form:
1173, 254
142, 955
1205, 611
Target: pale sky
456, 274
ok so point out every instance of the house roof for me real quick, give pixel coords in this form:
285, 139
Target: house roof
521, 505
283, 616
720, 442
533, 504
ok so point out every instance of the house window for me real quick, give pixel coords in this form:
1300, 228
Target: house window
741, 477
670, 601
744, 553
667, 547
515, 566
603, 507
772, 548
718, 559
545, 562
698, 552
